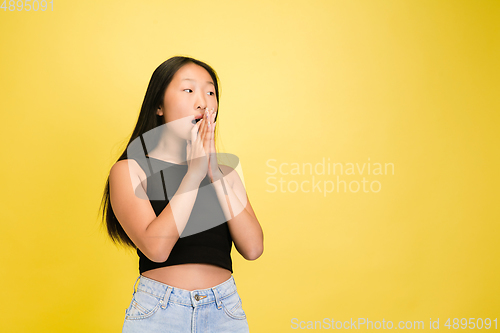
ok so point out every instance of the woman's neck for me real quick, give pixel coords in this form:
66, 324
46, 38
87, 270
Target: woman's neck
170, 148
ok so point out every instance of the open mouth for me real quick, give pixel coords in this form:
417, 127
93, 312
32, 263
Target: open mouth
197, 118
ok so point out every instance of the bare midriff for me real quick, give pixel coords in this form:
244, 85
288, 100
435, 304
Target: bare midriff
189, 276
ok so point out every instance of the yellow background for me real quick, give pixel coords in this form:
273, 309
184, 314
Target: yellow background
413, 83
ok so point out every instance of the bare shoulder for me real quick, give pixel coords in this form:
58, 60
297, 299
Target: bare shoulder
128, 168
129, 165
131, 205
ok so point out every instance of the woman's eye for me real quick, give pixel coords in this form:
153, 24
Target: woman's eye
210, 92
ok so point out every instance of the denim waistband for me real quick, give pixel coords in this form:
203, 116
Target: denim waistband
186, 297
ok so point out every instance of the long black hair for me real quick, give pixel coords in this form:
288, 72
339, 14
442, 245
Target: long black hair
148, 120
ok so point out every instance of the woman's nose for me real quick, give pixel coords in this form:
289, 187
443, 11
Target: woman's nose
201, 103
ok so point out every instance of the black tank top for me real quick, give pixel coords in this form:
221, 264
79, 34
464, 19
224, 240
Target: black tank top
211, 246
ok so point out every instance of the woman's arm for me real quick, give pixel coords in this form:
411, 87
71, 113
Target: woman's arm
243, 225
154, 235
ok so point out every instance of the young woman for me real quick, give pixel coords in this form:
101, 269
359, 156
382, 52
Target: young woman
169, 198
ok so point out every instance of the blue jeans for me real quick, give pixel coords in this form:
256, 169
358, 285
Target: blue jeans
158, 307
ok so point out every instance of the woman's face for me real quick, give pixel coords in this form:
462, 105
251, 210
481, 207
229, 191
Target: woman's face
188, 94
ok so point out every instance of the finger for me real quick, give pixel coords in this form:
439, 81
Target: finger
207, 117
214, 152
199, 131
188, 150
212, 135
213, 116
210, 144
212, 147
204, 127
200, 126
194, 131
206, 136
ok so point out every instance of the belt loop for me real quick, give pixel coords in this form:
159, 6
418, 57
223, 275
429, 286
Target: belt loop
164, 301
136, 282
217, 297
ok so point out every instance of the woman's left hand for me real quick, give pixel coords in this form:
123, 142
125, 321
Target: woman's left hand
213, 172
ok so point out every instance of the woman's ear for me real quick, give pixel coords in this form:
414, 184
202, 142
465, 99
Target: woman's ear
159, 111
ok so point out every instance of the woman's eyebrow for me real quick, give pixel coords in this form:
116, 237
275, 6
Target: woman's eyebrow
209, 82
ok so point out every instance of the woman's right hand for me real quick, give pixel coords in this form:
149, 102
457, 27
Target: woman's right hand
196, 156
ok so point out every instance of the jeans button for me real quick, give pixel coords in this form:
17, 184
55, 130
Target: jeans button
197, 297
